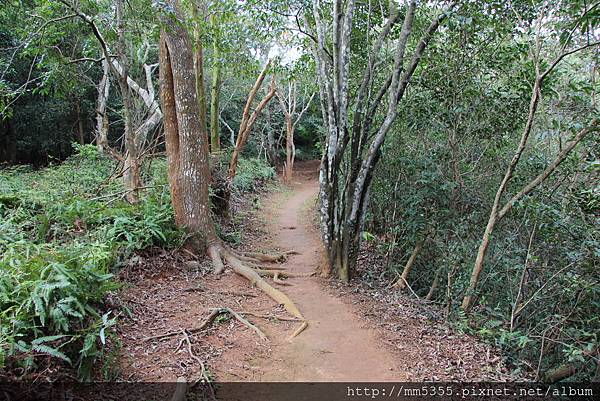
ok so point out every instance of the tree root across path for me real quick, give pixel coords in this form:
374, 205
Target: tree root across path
248, 265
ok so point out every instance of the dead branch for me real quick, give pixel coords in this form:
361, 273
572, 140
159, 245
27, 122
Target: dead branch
245, 322
207, 322
270, 317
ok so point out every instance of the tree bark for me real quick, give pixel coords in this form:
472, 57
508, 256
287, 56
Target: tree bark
343, 207
186, 138
102, 123
403, 280
199, 62
215, 141
131, 172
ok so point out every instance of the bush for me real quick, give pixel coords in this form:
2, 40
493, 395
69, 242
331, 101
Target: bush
63, 229
251, 173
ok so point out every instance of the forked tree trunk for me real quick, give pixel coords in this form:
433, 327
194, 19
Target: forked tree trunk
249, 119
186, 138
343, 205
288, 106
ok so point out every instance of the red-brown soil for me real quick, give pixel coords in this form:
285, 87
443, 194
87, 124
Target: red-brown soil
355, 332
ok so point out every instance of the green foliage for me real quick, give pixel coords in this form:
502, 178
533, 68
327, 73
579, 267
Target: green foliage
250, 173
440, 171
63, 230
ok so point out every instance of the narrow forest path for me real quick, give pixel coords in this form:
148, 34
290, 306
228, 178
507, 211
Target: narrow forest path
337, 345
359, 332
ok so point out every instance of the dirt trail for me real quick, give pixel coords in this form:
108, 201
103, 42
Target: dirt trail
338, 345
361, 332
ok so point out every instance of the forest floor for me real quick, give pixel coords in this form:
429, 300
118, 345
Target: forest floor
356, 332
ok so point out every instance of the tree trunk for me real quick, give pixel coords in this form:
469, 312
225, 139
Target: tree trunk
80, 132
131, 174
248, 119
343, 207
215, 142
102, 123
186, 138
434, 284
199, 64
290, 152
403, 280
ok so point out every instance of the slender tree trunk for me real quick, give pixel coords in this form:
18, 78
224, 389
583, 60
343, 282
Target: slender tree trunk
80, 132
434, 284
215, 141
403, 280
498, 213
343, 207
290, 152
131, 173
102, 123
249, 119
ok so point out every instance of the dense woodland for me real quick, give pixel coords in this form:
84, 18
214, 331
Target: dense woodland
458, 143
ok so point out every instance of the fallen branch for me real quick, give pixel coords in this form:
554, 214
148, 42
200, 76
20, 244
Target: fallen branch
208, 321
245, 322
270, 317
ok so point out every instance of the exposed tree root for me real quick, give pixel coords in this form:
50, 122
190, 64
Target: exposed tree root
241, 264
278, 273
280, 257
207, 322
203, 371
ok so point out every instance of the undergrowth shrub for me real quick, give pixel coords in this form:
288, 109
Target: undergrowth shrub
63, 231
251, 173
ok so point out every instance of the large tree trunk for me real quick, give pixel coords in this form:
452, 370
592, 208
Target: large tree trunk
185, 137
188, 162
199, 63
